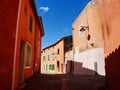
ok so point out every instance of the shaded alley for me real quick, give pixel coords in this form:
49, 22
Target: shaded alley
65, 82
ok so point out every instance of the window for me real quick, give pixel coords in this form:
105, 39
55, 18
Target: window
48, 57
25, 10
53, 56
53, 67
44, 67
28, 55
50, 67
43, 58
31, 21
58, 51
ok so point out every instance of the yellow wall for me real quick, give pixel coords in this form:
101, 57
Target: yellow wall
90, 16
58, 57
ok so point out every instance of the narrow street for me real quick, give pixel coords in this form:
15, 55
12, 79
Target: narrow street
65, 82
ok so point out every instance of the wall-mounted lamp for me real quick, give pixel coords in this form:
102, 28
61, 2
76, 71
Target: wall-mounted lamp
83, 28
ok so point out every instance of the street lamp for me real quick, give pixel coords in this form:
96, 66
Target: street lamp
86, 28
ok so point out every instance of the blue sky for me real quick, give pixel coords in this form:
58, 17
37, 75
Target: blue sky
57, 17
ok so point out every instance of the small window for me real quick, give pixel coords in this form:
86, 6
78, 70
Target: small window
25, 10
28, 55
44, 67
50, 67
53, 56
58, 51
31, 21
43, 58
53, 67
48, 57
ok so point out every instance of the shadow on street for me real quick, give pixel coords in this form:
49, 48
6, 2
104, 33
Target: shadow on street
65, 82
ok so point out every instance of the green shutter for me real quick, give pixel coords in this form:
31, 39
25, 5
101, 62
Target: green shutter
48, 57
43, 58
53, 67
50, 67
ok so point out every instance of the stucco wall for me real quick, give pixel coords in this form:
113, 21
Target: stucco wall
68, 61
25, 35
8, 20
37, 49
57, 57
49, 51
60, 56
10, 41
90, 16
58, 49
84, 62
110, 17
85, 51
68, 56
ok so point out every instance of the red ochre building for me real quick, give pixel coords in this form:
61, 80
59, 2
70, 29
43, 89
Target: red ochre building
110, 20
21, 31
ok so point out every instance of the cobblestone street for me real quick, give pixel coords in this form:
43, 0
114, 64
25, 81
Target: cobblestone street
65, 82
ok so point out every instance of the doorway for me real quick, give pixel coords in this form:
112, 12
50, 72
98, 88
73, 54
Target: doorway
58, 66
96, 68
70, 66
21, 62
61, 67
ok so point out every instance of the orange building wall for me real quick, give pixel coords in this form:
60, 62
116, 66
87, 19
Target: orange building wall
110, 20
8, 23
38, 49
8, 19
27, 36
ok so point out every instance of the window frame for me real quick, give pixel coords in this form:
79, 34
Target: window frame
28, 44
58, 51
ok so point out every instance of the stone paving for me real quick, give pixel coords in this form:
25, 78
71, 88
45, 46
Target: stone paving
66, 82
